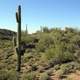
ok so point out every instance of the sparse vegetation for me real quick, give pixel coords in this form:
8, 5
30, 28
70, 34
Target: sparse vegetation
44, 76
56, 51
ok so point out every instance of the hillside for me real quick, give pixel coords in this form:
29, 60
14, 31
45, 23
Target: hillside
51, 54
6, 34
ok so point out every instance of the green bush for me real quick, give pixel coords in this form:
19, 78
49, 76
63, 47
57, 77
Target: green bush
46, 41
44, 76
29, 76
12, 75
34, 67
58, 55
57, 67
8, 75
67, 56
3, 75
70, 67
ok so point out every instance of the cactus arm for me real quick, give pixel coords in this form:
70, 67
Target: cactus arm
17, 17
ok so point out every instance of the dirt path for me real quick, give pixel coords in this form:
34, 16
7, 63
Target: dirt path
74, 76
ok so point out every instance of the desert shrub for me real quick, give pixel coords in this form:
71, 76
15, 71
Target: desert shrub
45, 29
27, 57
76, 65
5, 44
2, 66
29, 76
70, 67
59, 74
3, 75
34, 67
26, 38
67, 56
57, 67
54, 52
50, 71
45, 42
64, 70
57, 55
44, 76
12, 75
8, 75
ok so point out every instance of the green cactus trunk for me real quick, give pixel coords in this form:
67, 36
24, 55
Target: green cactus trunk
18, 19
19, 26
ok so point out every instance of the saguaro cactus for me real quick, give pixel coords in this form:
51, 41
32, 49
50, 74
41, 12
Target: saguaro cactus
18, 48
26, 30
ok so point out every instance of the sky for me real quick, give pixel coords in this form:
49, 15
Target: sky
36, 13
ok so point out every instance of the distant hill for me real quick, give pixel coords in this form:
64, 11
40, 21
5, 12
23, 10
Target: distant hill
6, 34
